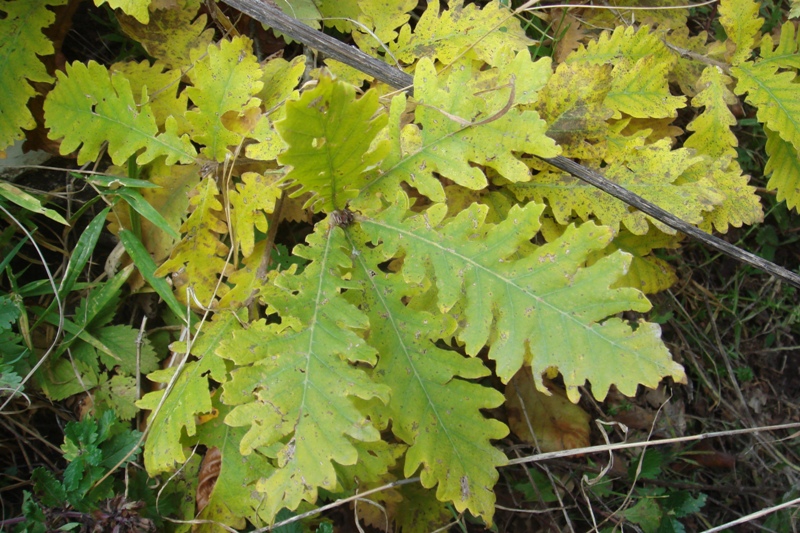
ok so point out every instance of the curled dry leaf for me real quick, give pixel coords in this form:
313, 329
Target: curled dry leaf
380, 511
207, 478
557, 423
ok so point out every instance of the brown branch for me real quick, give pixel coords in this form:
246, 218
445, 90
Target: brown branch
688, 54
272, 16
593, 178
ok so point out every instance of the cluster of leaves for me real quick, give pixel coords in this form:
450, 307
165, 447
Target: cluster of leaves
448, 251
94, 356
657, 508
11, 346
15, 340
94, 448
94, 353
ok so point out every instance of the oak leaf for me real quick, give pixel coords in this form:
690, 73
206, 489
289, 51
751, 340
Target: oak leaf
90, 106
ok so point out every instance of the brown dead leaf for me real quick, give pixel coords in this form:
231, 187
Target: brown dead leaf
704, 455
380, 514
207, 477
628, 413
557, 423
672, 412
571, 39
294, 211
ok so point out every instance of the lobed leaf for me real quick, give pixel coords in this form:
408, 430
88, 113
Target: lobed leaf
90, 106
280, 81
157, 86
544, 307
163, 448
190, 396
639, 81
654, 172
647, 272
572, 104
742, 25
329, 134
419, 511
375, 459
459, 31
246, 281
623, 43
775, 96
787, 52
687, 71
337, 12
234, 489
433, 408
296, 380
134, 8
465, 117
225, 79
171, 34
119, 393
712, 129
251, 201
783, 169
197, 260
383, 18
642, 90
21, 41
651, 13
742, 205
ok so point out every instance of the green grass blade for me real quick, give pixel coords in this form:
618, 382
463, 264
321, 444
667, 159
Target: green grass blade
82, 252
143, 207
26, 201
147, 268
